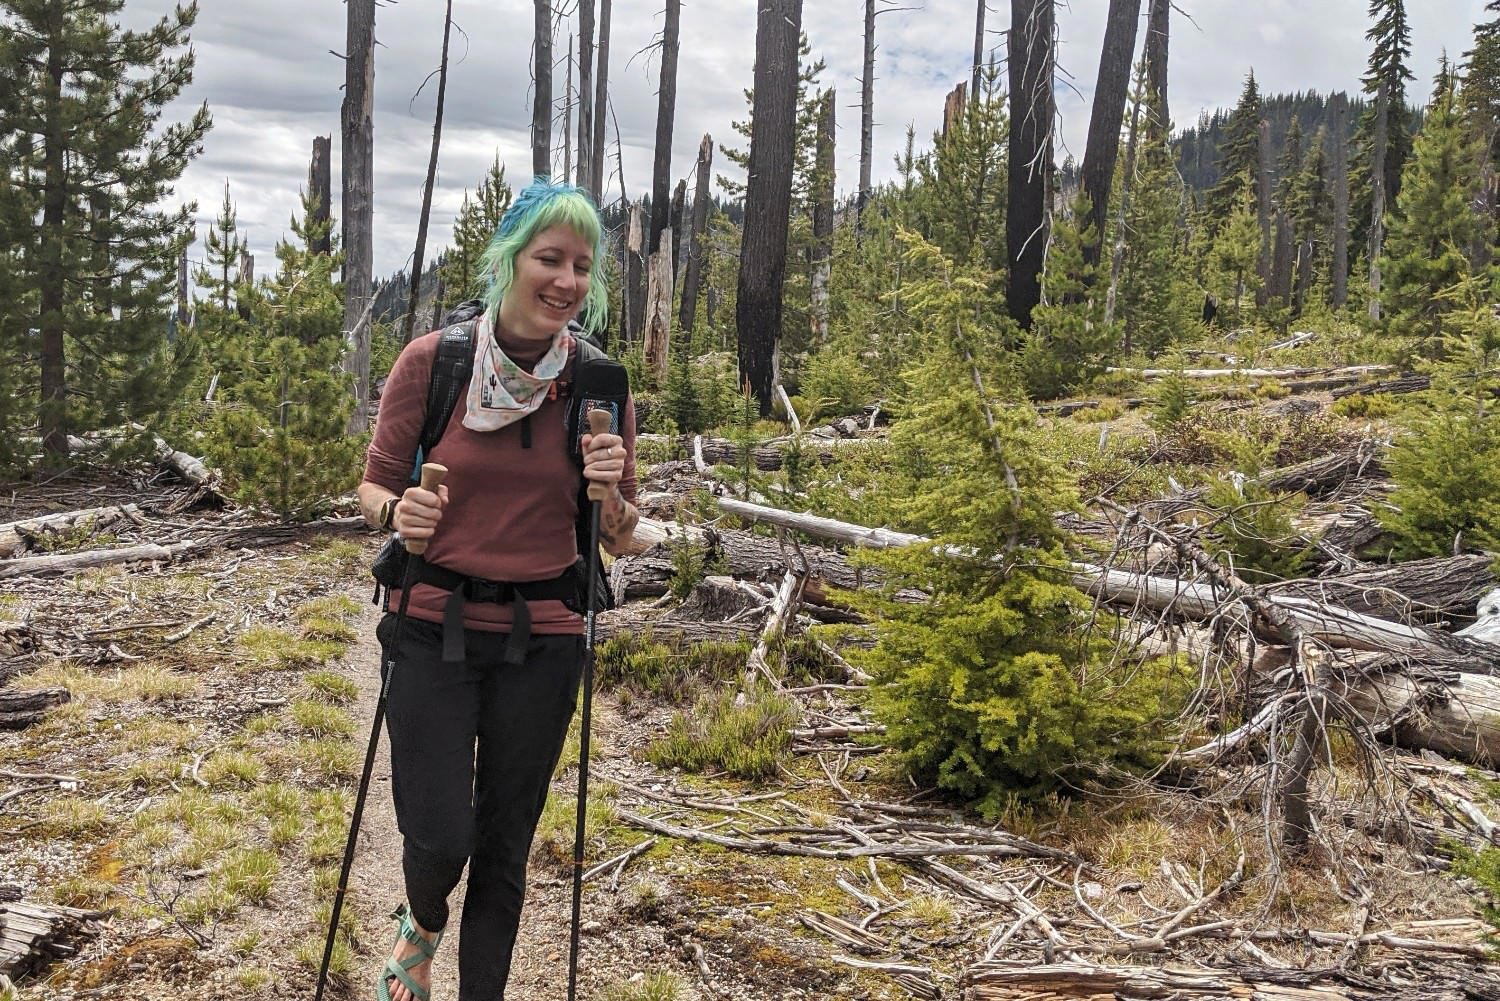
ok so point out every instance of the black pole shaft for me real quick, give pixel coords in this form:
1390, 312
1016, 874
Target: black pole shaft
583, 746
387, 669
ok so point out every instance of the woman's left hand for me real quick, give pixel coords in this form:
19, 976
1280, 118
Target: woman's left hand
604, 459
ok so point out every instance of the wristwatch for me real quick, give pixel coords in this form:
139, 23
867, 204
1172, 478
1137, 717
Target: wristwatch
388, 514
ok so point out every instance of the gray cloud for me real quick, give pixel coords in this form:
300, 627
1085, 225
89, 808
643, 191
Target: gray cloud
265, 70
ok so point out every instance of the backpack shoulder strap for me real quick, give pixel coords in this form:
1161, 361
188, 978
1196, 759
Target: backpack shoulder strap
452, 367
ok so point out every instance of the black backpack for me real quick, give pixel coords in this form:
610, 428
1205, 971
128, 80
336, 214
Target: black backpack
452, 368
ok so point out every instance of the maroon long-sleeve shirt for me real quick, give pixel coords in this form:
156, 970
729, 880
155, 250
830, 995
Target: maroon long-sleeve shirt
511, 510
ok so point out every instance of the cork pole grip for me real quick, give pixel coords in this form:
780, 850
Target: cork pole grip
599, 422
432, 478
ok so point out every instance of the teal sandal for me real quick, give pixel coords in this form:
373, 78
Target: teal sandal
407, 928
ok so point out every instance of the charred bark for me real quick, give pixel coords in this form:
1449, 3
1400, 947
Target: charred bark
768, 194
1098, 171
586, 179
1030, 153
1338, 165
541, 105
693, 274
666, 109
358, 172
1158, 24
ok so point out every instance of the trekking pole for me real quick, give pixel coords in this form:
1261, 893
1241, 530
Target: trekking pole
599, 423
432, 478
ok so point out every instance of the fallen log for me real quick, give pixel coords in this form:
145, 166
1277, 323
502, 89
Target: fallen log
240, 536
1017, 981
619, 622
33, 936
1337, 627
1417, 589
767, 455
1327, 473
1397, 386
18, 710
1255, 373
16, 534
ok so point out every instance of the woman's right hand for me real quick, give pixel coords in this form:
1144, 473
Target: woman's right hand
418, 512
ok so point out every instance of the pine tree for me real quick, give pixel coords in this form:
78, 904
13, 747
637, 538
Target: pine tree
17, 305
1390, 35
1435, 224
1235, 251
995, 688
960, 199
1446, 462
279, 438
1239, 154
1156, 300
478, 218
81, 133
1289, 164
217, 279
1068, 341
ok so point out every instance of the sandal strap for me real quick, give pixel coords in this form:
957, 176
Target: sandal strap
399, 972
407, 929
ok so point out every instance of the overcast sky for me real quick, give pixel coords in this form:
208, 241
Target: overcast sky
265, 69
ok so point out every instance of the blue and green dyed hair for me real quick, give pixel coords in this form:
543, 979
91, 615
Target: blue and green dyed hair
541, 205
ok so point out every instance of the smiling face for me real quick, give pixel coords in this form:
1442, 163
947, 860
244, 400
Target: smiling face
551, 280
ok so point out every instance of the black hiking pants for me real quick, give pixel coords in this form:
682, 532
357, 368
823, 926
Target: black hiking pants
473, 747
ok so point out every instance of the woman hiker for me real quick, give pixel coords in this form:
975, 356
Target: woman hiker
475, 735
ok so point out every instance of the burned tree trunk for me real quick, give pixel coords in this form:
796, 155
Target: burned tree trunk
1281, 259
1377, 195
666, 109
635, 281
695, 239
866, 112
1030, 150
541, 105
1336, 141
674, 223
320, 188
358, 128
1263, 215
601, 105
1098, 172
432, 159
823, 178
768, 195
586, 97
658, 330
978, 49
1158, 25
1127, 188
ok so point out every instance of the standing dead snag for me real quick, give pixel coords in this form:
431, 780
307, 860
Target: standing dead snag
823, 178
437, 138
541, 104
694, 270
601, 103
358, 174
666, 109
1098, 172
1377, 194
1158, 31
320, 187
1030, 174
768, 196
1336, 140
586, 179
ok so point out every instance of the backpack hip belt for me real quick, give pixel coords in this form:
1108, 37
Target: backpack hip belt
565, 587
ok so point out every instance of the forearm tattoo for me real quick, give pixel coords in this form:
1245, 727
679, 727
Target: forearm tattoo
617, 521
